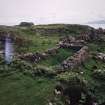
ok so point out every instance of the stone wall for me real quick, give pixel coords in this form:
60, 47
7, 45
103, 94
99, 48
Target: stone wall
36, 57
71, 42
92, 34
77, 59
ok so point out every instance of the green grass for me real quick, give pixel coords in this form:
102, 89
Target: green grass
42, 43
38, 43
58, 58
18, 89
97, 86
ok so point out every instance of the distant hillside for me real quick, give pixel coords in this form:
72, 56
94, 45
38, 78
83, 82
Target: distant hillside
50, 29
97, 22
60, 29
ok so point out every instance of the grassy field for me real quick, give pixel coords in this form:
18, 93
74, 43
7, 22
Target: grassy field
18, 89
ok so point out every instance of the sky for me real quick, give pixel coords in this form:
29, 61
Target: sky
51, 11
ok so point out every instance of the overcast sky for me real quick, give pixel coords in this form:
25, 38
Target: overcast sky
51, 11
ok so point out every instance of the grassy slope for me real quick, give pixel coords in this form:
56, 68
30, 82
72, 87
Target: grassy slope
18, 89
39, 43
97, 86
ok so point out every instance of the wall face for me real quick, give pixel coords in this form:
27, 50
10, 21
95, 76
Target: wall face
76, 59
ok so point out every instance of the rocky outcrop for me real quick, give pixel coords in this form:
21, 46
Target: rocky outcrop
77, 59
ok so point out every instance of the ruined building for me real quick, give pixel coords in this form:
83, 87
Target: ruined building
71, 42
36, 57
77, 59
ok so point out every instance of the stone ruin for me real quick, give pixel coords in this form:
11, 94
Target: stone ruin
84, 36
100, 56
36, 57
77, 59
71, 42
92, 34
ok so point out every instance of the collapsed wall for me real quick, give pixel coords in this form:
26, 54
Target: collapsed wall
77, 59
36, 57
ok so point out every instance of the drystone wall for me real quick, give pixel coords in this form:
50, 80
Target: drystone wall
77, 59
36, 57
